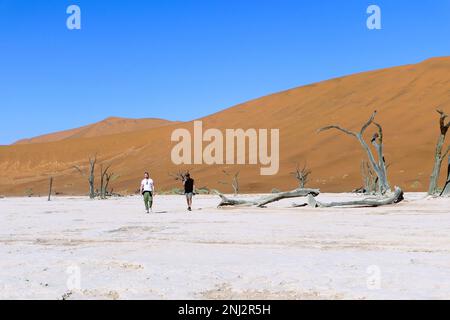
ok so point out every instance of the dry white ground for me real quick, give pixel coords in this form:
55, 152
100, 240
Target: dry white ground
75, 248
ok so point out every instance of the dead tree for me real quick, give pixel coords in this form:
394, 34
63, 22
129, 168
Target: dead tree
301, 175
102, 175
91, 177
234, 181
109, 178
446, 190
179, 175
92, 162
104, 181
50, 189
393, 198
378, 166
439, 155
262, 201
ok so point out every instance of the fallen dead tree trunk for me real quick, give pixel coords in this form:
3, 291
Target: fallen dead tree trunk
395, 197
262, 201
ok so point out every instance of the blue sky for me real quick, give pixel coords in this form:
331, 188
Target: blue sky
183, 59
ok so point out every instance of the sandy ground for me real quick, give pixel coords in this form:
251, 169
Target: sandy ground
75, 248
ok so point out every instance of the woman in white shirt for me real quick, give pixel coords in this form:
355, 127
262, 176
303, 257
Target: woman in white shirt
147, 190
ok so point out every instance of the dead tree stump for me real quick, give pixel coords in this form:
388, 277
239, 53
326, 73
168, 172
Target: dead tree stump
50, 189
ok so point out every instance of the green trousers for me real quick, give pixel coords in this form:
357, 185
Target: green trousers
148, 200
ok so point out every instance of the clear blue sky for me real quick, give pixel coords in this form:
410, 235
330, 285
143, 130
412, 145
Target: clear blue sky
183, 59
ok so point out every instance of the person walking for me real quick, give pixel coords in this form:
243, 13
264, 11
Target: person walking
148, 190
189, 189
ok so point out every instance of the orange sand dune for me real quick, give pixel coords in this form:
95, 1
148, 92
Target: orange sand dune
406, 98
106, 127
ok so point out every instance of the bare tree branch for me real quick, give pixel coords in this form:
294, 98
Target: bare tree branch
108, 178
92, 163
446, 189
378, 166
446, 153
444, 127
338, 128
368, 123
79, 170
179, 175
370, 179
50, 188
103, 178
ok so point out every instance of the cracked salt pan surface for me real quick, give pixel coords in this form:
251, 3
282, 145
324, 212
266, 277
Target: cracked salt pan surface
272, 253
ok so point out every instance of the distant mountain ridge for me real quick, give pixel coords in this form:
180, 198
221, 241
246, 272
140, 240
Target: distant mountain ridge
108, 126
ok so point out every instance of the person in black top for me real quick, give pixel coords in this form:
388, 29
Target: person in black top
189, 189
